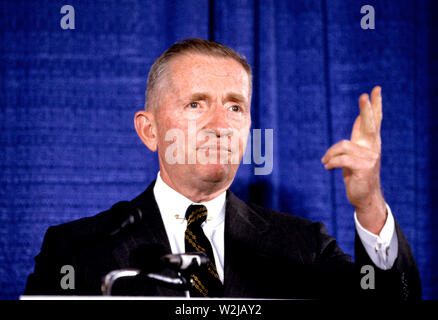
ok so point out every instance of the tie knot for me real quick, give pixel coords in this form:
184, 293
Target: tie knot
196, 214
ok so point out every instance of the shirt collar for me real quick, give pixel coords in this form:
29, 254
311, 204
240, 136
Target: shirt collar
173, 205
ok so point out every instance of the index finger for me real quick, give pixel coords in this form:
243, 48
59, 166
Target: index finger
367, 123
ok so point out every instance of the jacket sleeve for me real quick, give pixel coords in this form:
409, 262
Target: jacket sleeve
402, 281
46, 278
339, 276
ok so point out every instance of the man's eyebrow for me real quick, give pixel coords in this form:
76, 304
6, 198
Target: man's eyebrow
236, 97
199, 96
232, 96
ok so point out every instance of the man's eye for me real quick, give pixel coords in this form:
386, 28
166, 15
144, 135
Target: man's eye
193, 105
235, 108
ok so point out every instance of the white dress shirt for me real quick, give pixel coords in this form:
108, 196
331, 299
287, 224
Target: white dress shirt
382, 248
173, 207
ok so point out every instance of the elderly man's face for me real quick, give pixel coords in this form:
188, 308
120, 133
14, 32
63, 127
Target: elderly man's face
207, 98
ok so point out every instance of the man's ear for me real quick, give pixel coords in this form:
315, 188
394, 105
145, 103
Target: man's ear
146, 128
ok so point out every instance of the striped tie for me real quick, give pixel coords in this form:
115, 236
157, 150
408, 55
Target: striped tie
206, 282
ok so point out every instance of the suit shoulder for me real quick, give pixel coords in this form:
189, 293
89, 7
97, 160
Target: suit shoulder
60, 240
119, 217
84, 227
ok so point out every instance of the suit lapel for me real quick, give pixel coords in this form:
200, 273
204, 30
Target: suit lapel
244, 229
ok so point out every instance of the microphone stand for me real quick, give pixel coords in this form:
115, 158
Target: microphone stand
184, 264
181, 282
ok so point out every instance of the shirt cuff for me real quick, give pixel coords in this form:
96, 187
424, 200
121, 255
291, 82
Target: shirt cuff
383, 248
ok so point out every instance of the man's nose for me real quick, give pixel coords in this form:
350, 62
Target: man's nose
218, 122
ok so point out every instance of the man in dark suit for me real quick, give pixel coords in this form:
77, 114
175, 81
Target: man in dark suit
198, 118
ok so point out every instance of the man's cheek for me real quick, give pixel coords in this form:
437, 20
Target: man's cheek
174, 147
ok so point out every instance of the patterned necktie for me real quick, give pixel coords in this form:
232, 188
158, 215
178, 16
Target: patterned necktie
206, 282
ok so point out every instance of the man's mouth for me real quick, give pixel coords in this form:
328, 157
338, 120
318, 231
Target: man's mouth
217, 148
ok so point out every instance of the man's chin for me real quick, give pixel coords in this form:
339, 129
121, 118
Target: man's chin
215, 173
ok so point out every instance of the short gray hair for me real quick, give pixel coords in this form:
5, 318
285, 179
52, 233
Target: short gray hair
191, 45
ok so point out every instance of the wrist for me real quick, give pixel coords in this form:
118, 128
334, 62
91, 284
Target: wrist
372, 215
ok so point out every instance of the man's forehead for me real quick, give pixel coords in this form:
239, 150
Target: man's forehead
202, 67
201, 59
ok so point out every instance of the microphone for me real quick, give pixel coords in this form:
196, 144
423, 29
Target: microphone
123, 215
148, 260
186, 261
145, 263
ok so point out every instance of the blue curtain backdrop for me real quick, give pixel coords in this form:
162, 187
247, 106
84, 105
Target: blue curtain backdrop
68, 97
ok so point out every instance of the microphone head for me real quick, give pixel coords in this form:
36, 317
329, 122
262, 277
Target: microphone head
147, 257
186, 261
123, 215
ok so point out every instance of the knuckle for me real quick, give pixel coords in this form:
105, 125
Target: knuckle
344, 143
375, 157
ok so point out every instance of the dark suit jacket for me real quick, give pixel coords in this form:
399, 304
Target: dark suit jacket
267, 254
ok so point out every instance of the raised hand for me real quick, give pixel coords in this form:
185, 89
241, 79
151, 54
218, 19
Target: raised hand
359, 159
